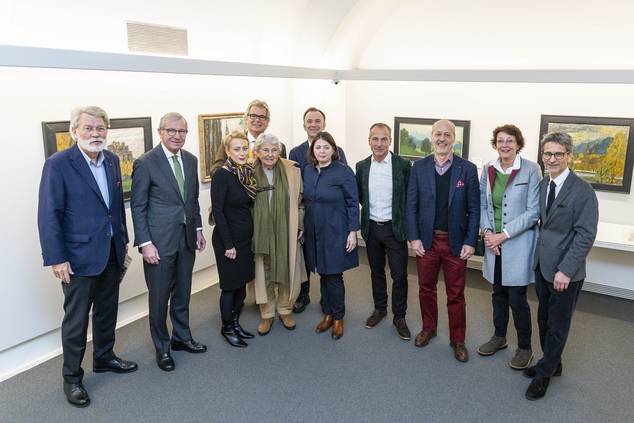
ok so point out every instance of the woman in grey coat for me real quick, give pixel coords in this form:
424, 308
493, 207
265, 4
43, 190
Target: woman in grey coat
509, 210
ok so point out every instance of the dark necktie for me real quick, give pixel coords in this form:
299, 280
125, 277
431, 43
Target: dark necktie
551, 196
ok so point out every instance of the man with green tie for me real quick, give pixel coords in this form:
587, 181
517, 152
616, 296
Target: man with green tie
168, 231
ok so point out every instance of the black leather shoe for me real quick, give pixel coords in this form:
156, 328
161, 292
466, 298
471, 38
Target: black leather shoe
76, 394
402, 329
165, 362
235, 318
229, 333
531, 372
537, 389
302, 301
116, 365
190, 346
375, 318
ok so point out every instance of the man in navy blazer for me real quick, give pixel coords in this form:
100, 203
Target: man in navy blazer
443, 215
83, 235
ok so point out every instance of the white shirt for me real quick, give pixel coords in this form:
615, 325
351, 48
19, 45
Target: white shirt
380, 189
169, 155
559, 182
498, 165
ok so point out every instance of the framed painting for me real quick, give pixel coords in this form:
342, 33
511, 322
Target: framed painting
603, 149
128, 138
211, 130
412, 137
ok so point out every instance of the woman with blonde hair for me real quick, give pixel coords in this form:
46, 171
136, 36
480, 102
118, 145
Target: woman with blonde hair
233, 188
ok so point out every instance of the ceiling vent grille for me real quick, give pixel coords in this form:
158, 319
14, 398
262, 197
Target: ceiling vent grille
149, 38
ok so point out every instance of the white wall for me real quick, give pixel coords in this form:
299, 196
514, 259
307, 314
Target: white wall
488, 105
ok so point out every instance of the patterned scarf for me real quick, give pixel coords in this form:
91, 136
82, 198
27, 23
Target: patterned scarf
245, 174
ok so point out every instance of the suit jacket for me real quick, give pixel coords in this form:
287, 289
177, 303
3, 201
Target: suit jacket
520, 213
400, 176
158, 209
568, 232
73, 219
464, 203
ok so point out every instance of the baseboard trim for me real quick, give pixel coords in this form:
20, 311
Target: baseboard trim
608, 290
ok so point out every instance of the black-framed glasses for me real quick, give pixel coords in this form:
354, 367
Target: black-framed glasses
171, 131
253, 116
547, 155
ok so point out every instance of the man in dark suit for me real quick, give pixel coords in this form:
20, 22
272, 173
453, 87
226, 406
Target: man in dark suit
314, 123
257, 118
443, 215
569, 219
83, 235
382, 183
168, 231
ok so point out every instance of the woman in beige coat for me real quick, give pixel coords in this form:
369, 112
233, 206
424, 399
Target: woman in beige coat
278, 216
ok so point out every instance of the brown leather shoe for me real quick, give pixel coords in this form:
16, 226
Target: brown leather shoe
325, 324
337, 329
424, 337
265, 326
460, 352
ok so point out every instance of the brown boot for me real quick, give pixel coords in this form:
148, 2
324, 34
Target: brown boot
337, 329
325, 324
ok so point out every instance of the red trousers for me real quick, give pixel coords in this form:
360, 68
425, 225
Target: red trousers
453, 268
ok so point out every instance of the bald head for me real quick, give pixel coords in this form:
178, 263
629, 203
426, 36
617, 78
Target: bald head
444, 123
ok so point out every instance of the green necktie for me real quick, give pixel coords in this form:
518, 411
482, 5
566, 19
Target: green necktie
178, 171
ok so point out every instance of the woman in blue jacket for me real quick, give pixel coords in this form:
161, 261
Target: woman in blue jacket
331, 221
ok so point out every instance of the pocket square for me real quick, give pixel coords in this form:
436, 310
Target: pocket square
460, 184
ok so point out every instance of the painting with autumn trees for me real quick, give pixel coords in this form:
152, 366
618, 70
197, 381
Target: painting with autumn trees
602, 149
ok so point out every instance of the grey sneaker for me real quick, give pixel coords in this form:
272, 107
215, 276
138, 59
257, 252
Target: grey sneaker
522, 359
493, 345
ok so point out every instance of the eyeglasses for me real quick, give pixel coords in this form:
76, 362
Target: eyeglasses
171, 131
253, 116
547, 155
270, 150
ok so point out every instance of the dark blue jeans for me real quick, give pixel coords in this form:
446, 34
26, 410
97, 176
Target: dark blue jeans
333, 295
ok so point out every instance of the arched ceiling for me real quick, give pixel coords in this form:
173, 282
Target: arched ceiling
349, 34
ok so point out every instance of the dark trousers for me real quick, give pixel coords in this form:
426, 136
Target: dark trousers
333, 295
554, 316
231, 301
170, 281
100, 292
453, 268
515, 297
381, 241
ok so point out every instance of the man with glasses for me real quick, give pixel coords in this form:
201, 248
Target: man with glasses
314, 123
168, 231
569, 219
257, 119
83, 234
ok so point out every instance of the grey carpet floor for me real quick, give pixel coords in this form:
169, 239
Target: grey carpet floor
367, 376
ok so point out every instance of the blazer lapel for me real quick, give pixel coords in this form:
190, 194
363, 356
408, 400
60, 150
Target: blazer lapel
165, 167
431, 176
396, 181
542, 199
456, 173
190, 175
79, 163
110, 172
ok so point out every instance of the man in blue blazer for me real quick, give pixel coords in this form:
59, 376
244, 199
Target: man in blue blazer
443, 215
83, 235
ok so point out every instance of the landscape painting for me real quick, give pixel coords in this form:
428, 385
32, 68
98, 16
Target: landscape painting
602, 149
211, 130
128, 138
413, 137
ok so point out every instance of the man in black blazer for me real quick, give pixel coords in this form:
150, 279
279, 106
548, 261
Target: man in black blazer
569, 220
168, 231
382, 184
83, 234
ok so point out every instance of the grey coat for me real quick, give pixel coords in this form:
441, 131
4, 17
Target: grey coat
568, 232
520, 213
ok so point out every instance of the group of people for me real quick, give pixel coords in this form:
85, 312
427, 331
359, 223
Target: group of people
278, 220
